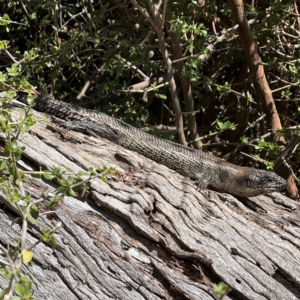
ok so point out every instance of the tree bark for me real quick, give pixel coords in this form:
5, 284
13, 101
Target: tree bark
148, 233
186, 86
255, 64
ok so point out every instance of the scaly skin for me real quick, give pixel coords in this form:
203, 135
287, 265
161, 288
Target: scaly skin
195, 164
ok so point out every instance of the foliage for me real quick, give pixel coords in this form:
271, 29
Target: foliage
68, 46
12, 179
221, 289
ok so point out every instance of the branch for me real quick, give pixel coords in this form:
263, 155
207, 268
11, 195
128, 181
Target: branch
144, 13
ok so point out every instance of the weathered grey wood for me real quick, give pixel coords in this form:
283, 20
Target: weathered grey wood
149, 234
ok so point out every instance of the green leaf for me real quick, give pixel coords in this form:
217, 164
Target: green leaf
33, 16
20, 202
244, 140
52, 203
56, 171
31, 220
11, 94
34, 211
84, 173
53, 242
13, 71
72, 193
19, 288
36, 175
249, 96
150, 54
221, 289
161, 96
45, 235
103, 178
48, 175
16, 220
70, 180
61, 182
220, 125
6, 17
5, 20
225, 126
2, 76
293, 69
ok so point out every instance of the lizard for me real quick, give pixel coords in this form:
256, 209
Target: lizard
207, 169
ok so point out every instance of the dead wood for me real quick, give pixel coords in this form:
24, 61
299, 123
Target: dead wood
148, 234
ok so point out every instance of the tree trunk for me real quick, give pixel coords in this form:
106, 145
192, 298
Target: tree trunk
260, 82
148, 233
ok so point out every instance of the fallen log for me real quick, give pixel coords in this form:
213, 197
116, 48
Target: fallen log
148, 233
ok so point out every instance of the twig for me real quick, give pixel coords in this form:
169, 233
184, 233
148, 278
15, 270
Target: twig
24, 7
297, 13
281, 88
284, 81
289, 35
229, 89
254, 157
252, 141
146, 83
219, 144
144, 13
11, 57
190, 112
130, 65
214, 28
14, 60
83, 90
72, 17
164, 14
208, 135
288, 151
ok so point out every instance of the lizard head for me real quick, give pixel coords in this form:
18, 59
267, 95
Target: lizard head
256, 182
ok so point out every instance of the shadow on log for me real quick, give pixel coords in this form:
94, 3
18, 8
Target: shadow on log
148, 234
